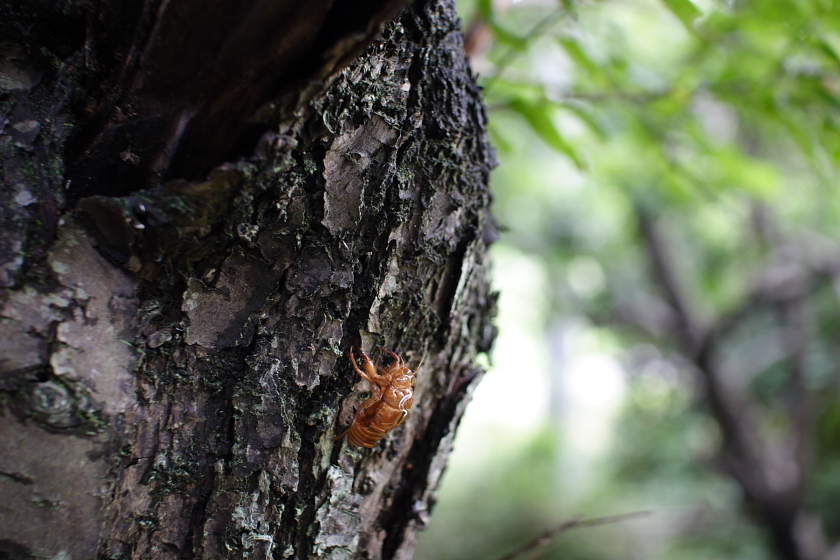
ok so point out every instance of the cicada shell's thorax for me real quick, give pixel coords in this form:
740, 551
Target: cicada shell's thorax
393, 395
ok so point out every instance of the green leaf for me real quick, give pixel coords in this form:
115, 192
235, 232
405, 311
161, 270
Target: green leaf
830, 45
485, 8
685, 10
578, 56
506, 37
539, 116
504, 90
754, 176
584, 114
498, 138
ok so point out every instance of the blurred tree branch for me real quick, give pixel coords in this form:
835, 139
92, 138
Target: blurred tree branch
772, 477
545, 538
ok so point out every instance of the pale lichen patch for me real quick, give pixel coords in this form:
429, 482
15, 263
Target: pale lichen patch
390, 284
345, 166
219, 313
94, 352
25, 319
338, 518
250, 520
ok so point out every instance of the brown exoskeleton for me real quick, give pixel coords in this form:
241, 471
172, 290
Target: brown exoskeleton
388, 407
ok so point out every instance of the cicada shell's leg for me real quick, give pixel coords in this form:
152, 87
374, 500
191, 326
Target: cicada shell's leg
356, 365
397, 359
374, 375
369, 403
394, 367
369, 373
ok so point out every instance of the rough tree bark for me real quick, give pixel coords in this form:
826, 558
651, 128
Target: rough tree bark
202, 209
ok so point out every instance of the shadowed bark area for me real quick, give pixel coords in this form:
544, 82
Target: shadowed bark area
175, 341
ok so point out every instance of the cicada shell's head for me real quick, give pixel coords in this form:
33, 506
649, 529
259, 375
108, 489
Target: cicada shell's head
401, 377
404, 380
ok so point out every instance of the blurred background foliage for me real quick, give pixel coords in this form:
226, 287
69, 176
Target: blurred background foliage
669, 269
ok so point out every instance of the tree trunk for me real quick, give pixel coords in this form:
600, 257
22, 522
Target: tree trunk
202, 211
